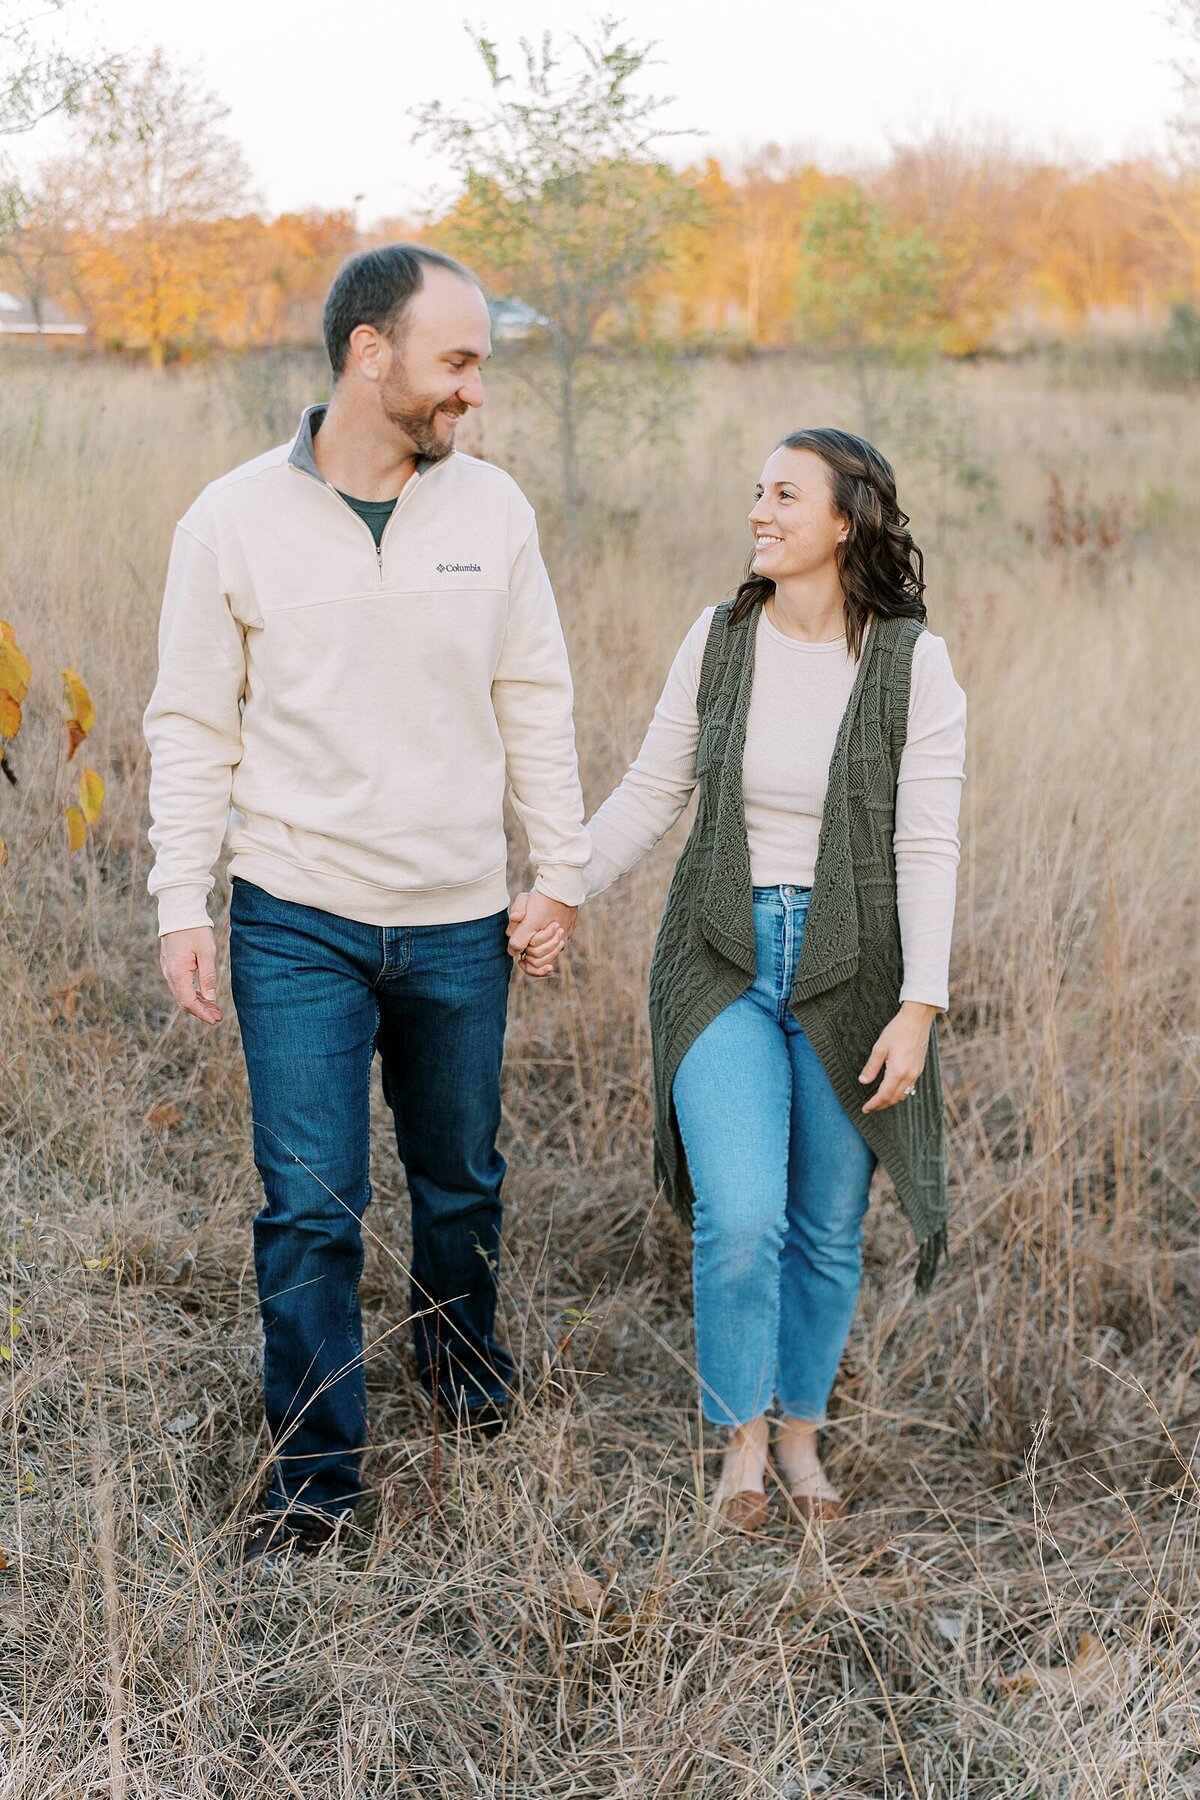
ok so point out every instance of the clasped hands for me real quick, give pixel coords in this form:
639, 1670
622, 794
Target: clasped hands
538, 930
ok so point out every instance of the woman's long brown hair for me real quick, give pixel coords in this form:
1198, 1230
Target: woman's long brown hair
882, 570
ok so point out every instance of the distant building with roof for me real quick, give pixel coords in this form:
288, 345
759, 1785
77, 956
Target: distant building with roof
513, 319
17, 320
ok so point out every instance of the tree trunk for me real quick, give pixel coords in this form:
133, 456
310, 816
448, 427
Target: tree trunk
568, 445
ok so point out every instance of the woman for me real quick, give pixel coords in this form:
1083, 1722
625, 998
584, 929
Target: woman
804, 950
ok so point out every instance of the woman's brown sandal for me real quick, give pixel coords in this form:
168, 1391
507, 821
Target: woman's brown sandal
745, 1511
816, 1508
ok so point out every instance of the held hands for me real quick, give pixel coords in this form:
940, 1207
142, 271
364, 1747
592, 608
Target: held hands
538, 929
189, 965
900, 1051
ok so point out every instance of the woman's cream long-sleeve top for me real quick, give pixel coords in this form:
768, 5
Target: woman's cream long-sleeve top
798, 699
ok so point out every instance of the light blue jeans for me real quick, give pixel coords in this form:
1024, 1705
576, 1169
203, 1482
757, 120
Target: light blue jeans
781, 1176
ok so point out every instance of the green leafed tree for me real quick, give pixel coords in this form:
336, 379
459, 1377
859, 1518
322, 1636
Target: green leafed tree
566, 207
868, 291
866, 287
38, 77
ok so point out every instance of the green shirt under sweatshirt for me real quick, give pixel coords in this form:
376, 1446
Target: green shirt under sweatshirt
375, 512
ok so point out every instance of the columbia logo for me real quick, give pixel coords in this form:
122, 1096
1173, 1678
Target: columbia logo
459, 569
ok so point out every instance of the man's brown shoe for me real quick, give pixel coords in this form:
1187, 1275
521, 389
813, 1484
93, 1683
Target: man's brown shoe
282, 1536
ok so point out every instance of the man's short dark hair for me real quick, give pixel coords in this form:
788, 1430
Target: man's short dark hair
374, 288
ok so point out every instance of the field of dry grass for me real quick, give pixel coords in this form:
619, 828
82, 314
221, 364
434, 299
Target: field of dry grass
1014, 1607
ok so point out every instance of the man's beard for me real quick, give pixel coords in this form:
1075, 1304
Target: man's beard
411, 412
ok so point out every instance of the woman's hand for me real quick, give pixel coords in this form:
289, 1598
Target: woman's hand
537, 953
900, 1052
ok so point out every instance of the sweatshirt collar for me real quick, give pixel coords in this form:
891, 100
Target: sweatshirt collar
302, 456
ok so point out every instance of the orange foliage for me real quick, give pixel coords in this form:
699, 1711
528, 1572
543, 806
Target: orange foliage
1022, 246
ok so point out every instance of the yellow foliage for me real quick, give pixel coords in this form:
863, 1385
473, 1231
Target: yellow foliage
91, 795
14, 681
14, 668
3, 854
79, 700
83, 713
76, 828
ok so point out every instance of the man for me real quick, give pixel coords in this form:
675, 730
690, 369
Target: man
359, 650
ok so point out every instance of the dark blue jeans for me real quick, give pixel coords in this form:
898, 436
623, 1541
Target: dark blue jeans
316, 996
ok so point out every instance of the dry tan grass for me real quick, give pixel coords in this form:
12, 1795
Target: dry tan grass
1013, 1608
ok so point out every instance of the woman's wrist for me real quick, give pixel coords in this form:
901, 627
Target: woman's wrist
918, 1009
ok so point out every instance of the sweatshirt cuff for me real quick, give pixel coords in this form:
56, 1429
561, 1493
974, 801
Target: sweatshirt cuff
183, 908
924, 996
562, 882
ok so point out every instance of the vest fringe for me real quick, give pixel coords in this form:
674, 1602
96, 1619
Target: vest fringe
932, 1250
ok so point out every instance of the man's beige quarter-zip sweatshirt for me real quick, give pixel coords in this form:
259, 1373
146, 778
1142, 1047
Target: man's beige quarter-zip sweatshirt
362, 711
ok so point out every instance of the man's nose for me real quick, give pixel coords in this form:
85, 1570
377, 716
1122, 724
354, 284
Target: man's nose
471, 391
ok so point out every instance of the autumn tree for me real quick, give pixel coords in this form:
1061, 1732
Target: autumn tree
160, 192
990, 214
772, 194
1163, 195
566, 207
37, 253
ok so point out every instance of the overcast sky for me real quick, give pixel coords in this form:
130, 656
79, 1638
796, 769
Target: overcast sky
320, 92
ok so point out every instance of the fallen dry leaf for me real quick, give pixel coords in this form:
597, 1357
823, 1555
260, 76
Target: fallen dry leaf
582, 1589
164, 1117
1096, 1676
63, 1000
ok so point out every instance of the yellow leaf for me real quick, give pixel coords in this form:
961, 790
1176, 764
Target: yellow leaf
7, 635
10, 714
79, 700
3, 854
5, 1352
76, 828
14, 671
91, 795
83, 713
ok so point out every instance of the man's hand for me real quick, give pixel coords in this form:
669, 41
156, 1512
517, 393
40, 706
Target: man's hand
538, 929
189, 965
900, 1052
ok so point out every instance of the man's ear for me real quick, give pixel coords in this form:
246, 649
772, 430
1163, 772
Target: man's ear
369, 352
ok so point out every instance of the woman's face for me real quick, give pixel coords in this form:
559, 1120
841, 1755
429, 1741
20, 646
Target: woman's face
796, 530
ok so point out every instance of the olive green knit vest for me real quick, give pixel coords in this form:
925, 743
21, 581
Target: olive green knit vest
851, 968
